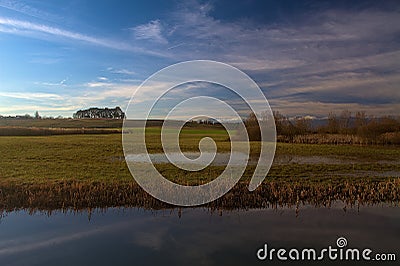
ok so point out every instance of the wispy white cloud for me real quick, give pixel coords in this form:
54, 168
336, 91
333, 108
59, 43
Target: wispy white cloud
319, 37
68, 100
97, 84
25, 25
22, 109
321, 109
23, 8
31, 95
30, 29
332, 56
325, 58
61, 83
177, 45
121, 71
131, 81
254, 64
347, 83
151, 31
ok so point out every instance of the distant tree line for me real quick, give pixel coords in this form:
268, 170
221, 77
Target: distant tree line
105, 113
36, 115
344, 128
91, 113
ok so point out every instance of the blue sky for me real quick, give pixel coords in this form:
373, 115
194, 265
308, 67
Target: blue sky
308, 57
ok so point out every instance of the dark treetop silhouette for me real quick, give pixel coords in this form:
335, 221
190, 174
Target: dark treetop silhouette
115, 113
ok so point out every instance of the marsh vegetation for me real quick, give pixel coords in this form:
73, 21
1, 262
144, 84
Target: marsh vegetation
89, 171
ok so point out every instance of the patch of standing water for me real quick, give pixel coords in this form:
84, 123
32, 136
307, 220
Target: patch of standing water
220, 159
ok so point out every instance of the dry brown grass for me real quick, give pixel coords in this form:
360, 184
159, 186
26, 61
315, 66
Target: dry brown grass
271, 194
389, 138
40, 131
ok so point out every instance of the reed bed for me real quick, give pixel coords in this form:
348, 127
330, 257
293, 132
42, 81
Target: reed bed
78, 195
389, 138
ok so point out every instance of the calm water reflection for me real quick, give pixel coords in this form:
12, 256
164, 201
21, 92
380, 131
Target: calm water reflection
198, 237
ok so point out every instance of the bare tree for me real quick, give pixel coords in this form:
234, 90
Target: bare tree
37, 116
333, 124
344, 121
302, 126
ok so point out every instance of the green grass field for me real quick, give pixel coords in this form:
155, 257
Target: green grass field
100, 157
41, 165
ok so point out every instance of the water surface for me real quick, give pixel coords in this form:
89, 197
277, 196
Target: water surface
190, 236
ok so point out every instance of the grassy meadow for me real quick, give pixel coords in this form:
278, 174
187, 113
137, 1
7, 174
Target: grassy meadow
84, 170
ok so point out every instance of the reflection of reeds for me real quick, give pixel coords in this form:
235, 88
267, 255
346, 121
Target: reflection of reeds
272, 194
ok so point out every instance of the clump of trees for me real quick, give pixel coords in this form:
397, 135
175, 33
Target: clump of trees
284, 126
291, 128
252, 127
372, 129
344, 128
100, 113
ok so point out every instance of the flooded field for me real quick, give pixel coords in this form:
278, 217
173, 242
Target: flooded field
221, 159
